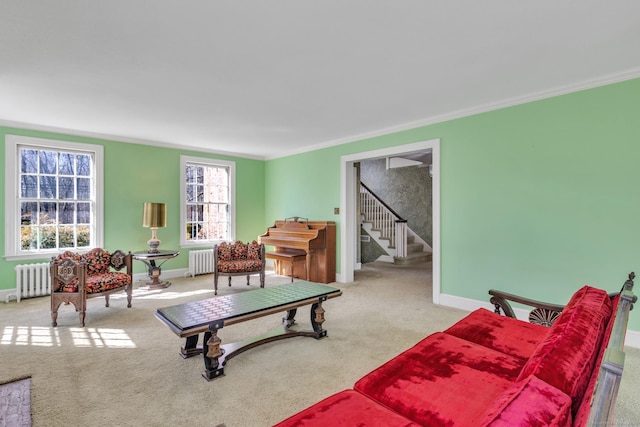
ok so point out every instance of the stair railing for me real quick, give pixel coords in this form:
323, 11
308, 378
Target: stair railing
384, 219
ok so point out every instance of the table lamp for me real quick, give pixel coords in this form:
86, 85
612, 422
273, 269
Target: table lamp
154, 215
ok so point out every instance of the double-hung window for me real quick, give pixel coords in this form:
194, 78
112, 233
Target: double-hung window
53, 196
207, 201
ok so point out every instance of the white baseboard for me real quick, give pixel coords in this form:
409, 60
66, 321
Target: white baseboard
7, 295
632, 338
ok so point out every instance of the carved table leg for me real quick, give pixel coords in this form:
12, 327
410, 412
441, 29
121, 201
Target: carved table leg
190, 347
317, 318
289, 319
212, 352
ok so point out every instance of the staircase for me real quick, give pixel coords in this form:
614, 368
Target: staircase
401, 244
416, 253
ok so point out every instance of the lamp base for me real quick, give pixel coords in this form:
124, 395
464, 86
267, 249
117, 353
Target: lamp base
154, 242
153, 246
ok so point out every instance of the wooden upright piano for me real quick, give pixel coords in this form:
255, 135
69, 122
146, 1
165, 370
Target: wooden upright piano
316, 238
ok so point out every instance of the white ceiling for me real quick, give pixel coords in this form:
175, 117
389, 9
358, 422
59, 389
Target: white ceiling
263, 79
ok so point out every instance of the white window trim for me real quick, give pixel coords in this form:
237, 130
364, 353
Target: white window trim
11, 192
184, 243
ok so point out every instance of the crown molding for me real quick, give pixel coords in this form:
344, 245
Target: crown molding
472, 111
118, 138
506, 103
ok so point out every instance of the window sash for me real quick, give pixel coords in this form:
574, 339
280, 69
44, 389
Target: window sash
207, 212
63, 204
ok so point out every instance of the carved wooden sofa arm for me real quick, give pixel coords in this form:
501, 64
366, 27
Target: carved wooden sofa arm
543, 313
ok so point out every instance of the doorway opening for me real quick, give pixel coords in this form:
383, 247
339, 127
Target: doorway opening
349, 232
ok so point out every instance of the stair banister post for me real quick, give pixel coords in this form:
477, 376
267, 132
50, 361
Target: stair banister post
401, 238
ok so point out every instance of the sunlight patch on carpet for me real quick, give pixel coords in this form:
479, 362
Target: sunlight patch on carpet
161, 294
80, 337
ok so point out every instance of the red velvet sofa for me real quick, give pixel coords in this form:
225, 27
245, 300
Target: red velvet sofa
489, 370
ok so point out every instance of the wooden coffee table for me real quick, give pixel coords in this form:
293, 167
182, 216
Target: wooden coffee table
208, 316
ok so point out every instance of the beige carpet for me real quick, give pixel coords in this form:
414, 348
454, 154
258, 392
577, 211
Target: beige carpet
123, 369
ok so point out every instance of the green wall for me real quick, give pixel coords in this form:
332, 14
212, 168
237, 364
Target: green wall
537, 199
134, 174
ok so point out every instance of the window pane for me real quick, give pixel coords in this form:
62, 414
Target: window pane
190, 174
66, 188
29, 213
199, 193
84, 188
66, 215
199, 175
67, 238
29, 186
220, 194
48, 213
191, 190
192, 213
48, 162
28, 161
193, 229
84, 236
84, 213
65, 166
48, 238
83, 165
28, 238
48, 187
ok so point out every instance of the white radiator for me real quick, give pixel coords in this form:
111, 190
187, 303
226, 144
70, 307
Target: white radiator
201, 262
32, 280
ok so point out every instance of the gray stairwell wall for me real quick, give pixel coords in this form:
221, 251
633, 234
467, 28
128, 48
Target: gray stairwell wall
408, 191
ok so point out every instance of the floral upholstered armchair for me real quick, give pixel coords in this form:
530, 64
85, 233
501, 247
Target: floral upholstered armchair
238, 259
78, 277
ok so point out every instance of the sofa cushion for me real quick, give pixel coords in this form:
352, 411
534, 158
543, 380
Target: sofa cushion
565, 358
106, 281
530, 402
240, 266
68, 254
224, 251
504, 334
442, 380
97, 261
253, 251
347, 408
239, 250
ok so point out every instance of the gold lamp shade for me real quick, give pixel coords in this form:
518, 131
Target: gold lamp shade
154, 215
